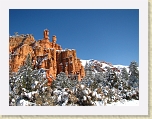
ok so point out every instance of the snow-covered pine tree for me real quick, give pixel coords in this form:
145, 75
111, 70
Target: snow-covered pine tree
62, 81
134, 74
124, 74
99, 76
133, 69
26, 70
86, 65
124, 78
111, 79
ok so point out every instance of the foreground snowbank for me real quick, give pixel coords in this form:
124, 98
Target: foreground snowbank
119, 103
125, 103
97, 103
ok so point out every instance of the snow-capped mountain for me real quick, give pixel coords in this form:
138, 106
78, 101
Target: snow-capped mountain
102, 65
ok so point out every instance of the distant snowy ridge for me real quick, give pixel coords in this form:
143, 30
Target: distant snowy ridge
122, 66
103, 64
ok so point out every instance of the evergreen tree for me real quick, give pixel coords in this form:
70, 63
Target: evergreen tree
133, 69
99, 77
134, 74
62, 81
28, 61
124, 74
26, 70
86, 65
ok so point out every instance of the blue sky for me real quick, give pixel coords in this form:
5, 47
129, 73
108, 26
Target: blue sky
110, 35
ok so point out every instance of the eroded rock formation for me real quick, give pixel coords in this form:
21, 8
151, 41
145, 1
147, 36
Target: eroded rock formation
45, 54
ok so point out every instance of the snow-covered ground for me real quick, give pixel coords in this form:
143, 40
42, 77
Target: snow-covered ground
125, 103
119, 103
97, 103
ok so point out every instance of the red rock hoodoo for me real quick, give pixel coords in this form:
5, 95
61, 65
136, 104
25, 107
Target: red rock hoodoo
45, 54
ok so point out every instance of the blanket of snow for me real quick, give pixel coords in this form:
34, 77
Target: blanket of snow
125, 103
98, 103
120, 103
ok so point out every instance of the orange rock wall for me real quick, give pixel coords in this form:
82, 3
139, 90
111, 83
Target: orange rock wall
45, 54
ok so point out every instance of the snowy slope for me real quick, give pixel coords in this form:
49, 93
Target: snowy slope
95, 62
103, 64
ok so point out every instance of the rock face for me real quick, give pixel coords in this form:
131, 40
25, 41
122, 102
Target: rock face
45, 54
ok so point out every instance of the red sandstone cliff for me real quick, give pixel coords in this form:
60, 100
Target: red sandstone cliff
45, 54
